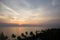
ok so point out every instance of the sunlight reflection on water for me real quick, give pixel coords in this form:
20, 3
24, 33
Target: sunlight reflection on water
19, 30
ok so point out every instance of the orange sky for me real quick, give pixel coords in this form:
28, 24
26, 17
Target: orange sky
36, 21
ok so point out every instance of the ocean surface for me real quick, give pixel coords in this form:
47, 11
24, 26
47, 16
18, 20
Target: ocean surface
19, 30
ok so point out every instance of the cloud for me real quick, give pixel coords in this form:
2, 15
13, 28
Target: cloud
8, 25
28, 10
55, 23
5, 23
56, 2
8, 12
10, 9
25, 3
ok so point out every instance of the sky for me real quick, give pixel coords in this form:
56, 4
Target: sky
29, 11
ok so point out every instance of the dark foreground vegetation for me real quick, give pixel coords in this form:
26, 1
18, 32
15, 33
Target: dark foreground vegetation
49, 34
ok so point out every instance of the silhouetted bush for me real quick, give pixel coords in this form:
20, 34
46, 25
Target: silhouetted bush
13, 36
50, 34
3, 37
19, 38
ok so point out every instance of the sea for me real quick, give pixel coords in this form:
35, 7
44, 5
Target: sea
18, 30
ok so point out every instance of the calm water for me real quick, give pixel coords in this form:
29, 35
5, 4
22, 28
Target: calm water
18, 30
